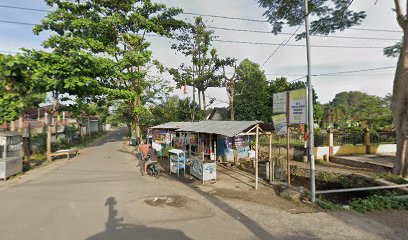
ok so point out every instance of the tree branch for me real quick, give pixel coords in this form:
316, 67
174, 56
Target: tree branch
398, 11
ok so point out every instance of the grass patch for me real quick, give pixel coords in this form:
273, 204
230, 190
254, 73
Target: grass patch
327, 205
392, 178
377, 202
36, 161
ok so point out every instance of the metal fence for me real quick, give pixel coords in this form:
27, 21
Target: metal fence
339, 139
383, 137
354, 138
321, 139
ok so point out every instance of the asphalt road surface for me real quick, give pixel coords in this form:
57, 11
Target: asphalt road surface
101, 194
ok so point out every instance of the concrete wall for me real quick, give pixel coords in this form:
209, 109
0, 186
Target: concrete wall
355, 149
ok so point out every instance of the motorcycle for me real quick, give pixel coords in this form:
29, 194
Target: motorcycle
152, 168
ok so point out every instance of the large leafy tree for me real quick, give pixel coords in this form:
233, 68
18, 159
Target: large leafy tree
368, 111
18, 90
252, 100
195, 42
114, 33
172, 108
330, 16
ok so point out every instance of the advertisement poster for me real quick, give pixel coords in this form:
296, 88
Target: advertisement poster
279, 122
279, 102
298, 107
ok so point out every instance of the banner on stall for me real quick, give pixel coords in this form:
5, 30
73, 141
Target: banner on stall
279, 102
280, 124
298, 107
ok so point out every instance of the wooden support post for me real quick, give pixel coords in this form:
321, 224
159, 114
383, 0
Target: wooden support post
271, 163
198, 143
331, 143
189, 144
256, 156
288, 155
403, 156
367, 139
49, 135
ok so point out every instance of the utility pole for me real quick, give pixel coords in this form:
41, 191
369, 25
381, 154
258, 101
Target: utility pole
310, 109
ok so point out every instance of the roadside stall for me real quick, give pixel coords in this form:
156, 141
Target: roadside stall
164, 137
215, 143
11, 154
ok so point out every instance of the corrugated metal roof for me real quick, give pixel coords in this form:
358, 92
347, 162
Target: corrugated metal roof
226, 128
170, 125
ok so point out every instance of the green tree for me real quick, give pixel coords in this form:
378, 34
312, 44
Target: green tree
329, 16
172, 108
368, 111
113, 32
230, 81
252, 100
18, 90
195, 42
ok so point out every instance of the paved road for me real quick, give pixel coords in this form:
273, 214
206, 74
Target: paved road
102, 195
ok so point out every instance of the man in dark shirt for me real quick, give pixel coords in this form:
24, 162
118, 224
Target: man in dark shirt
151, 157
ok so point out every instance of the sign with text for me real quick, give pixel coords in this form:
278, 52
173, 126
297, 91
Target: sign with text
280, 124
279, 102
298, 107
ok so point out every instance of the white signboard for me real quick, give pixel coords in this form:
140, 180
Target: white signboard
279, 102
298, 107
280, 124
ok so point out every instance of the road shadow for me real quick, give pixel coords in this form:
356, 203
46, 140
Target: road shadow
116, 229
253, 226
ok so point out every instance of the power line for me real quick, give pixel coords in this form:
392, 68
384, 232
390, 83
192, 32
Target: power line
314, 35
244, 30
19, 23
213, 16
259, 20
225, 17
352, 71
24, 8
243, 42
283, 44
344, 72
298, 45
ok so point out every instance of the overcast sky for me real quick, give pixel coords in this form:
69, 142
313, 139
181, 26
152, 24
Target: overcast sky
288, 61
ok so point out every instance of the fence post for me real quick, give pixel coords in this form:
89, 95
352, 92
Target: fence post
367, 139
331, 143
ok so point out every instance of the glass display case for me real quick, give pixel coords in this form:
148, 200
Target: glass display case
11, 154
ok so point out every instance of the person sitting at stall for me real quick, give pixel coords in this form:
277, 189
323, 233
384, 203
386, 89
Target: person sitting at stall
151, 158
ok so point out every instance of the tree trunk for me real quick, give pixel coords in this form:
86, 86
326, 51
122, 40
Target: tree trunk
204, 102
400, 108
193, 107
232, 110
49, 134
21, 122
199, 98
12, 126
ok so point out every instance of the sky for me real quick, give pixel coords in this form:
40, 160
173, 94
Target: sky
288, 61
